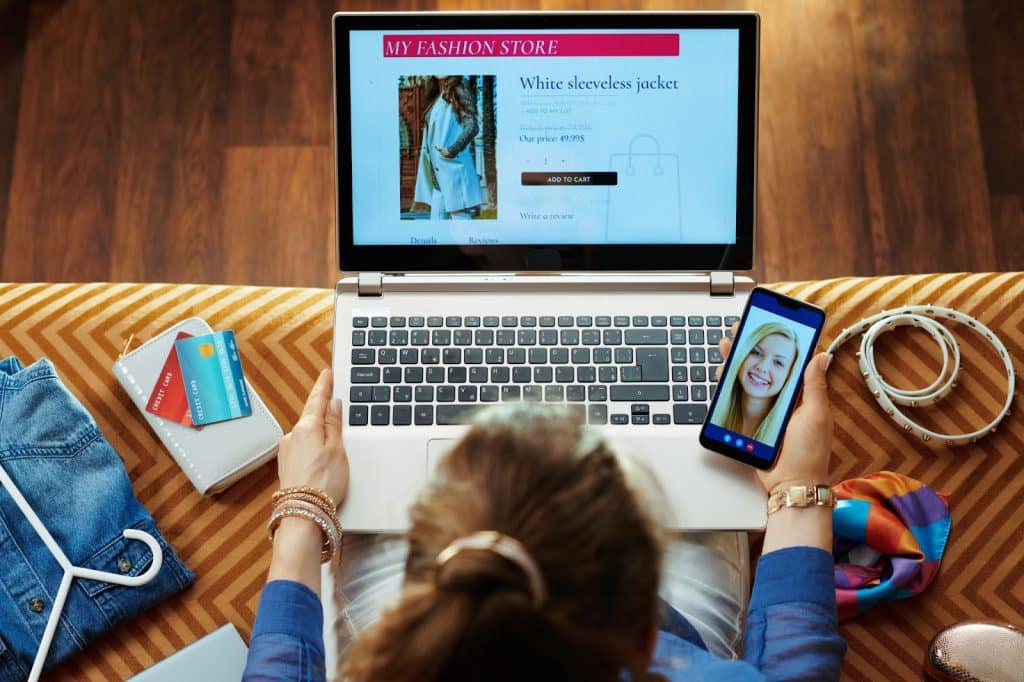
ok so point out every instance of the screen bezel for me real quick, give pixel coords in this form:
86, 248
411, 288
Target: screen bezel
550, 257
734, 452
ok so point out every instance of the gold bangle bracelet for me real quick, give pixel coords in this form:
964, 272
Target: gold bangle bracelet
331, 539
319, 502
306, 490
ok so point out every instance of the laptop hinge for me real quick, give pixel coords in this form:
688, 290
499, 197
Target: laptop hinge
722, 283
370, 284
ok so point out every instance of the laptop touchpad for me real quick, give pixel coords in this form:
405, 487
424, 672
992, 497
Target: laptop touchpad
436, 450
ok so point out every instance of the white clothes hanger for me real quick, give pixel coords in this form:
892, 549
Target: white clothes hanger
71, 571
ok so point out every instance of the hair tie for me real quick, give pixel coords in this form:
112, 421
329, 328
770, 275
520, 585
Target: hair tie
506, 547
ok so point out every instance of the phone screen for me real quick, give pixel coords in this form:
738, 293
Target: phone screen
761, 378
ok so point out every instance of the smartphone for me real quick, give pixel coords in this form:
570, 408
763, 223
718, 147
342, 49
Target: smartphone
761, 378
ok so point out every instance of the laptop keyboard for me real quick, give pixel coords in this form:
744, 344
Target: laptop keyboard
610, 369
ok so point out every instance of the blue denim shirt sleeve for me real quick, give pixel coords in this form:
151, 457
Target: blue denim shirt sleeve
287, 638
792, 629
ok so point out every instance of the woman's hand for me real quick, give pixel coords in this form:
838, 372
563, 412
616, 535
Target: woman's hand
312, 454
445, 153
807, 443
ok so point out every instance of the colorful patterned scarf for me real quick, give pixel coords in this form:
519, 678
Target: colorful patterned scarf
890, 532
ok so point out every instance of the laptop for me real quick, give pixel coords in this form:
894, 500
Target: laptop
541, 207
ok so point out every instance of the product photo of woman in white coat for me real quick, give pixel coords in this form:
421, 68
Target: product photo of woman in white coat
446, 177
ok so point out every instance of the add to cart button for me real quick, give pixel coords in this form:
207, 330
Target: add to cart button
574, 178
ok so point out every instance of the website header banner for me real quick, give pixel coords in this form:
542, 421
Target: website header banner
532, 45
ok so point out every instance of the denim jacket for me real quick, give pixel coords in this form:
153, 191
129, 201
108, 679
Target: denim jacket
75, 481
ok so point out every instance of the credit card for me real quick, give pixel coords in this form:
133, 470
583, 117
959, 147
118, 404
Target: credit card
167, 399
211, 369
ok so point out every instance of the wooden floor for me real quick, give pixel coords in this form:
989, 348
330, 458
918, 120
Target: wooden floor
189, 141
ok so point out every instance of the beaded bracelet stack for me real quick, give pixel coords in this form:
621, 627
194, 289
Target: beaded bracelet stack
311, 504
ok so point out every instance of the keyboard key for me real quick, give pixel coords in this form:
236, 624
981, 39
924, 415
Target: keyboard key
565, 374
597, 414
584, 320
516, 356
657, 419
453, 321
597, 393
554, 393
489, 394
678, 337
360, 322
677, 321
646, 337
424, 394
500, 375
467, 394
548, 337
620, 419
473, 356
680, 393
494, 356
511, 393
698, 373
362, 356
607, 374
565, 320
714, 336
653, 363
484, 337
392, 375
630, 373
506, 337
730, 320
602, 356
695, 320
570, 337
659, 321
435, 375
543, 375
378, 337
358, 337
640, 321
521, 375
714, 321
547, 321
451, 356
416, 321
575, 393
402, 394
612, 337
528, 321
402, 415
430, 356
463, 337
472, 321
441, 337
641, 419
688, 413
590, 337
378, 321
381, 394
478, 375
603, 321
639, 408
679, 373
559, 356
420, 337
397, 321
586, 374
509, 321
457, 375
387, 356
696, 337
628, 393
698, 392
715, 356
491, 321
365, 375
409, 356
538, 356
624, 356
678, 355
533, 393
358, 415
423, 415
360, 394
526, 337
621, 320
454, 414
380, 415
435, 321
446, 394
697, 356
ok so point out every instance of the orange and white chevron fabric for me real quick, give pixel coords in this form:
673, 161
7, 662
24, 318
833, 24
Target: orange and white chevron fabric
285, 338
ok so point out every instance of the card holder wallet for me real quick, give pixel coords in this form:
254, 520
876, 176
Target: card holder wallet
217, 455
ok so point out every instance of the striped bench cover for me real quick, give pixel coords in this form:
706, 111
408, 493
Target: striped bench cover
285, 335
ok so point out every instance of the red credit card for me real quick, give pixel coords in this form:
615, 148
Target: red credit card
168, 399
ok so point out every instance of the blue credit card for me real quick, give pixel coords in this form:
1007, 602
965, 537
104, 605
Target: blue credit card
211, 368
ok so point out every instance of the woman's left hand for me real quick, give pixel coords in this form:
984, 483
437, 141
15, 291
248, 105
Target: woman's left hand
313, 454
445, 153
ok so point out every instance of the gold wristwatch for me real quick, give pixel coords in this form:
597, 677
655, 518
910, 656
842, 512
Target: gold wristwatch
801, 496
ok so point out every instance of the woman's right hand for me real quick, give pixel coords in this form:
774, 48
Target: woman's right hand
807, 444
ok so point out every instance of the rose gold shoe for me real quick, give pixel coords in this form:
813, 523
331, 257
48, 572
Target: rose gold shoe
976, 651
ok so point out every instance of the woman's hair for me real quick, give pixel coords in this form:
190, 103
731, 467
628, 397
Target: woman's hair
535, 475
452, 90
729, 411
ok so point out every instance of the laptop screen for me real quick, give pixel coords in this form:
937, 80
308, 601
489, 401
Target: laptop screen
562, 135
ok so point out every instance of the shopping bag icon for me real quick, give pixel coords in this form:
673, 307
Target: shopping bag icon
645, 205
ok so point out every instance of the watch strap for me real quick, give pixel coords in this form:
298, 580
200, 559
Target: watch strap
801, 496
